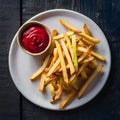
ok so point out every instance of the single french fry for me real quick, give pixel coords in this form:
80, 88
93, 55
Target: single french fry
60, 36
90, 79
41, 69
53, 67
54, 33
69, 27
98, 56
67, 99
42, 83
62, 62
89, 38
82, 49
75, 52
88, 42
52, 90
86, 30
69, 60
69, 45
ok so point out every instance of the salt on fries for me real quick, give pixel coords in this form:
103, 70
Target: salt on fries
71, 65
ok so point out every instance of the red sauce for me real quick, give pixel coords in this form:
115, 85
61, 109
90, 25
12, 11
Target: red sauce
35, 39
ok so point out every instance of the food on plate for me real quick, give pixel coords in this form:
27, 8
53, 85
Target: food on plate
70, 66
69, 27
86, 84
86, 30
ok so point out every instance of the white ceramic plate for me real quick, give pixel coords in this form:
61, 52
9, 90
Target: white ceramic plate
22, 66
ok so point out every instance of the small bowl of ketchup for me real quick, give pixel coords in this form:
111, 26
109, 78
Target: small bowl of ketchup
34, 38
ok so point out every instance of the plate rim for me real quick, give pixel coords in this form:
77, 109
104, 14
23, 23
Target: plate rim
38, 15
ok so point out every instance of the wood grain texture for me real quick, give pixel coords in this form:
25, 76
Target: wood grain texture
106, 106
9, 96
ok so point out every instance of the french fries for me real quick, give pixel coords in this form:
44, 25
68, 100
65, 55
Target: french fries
67, 99
86, 84
74, 47
63, 66
60, 36
86, 30
70, 62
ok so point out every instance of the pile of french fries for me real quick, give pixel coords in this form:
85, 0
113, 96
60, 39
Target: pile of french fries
70, 66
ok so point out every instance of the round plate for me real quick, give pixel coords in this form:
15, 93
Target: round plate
22, 66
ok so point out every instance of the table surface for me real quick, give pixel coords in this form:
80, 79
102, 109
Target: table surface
106, 105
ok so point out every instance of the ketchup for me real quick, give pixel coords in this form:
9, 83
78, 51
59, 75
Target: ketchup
35, 39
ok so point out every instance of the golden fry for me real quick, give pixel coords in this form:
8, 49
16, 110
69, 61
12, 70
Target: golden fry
90, 79
60, 36
69, 45
69, 27
98, 56
86, 30
41, 69
54, 67
91, 39
42, 83
67, 99
74, 48
88, 42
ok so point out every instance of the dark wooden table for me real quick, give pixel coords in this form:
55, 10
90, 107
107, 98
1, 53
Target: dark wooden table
106, 105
